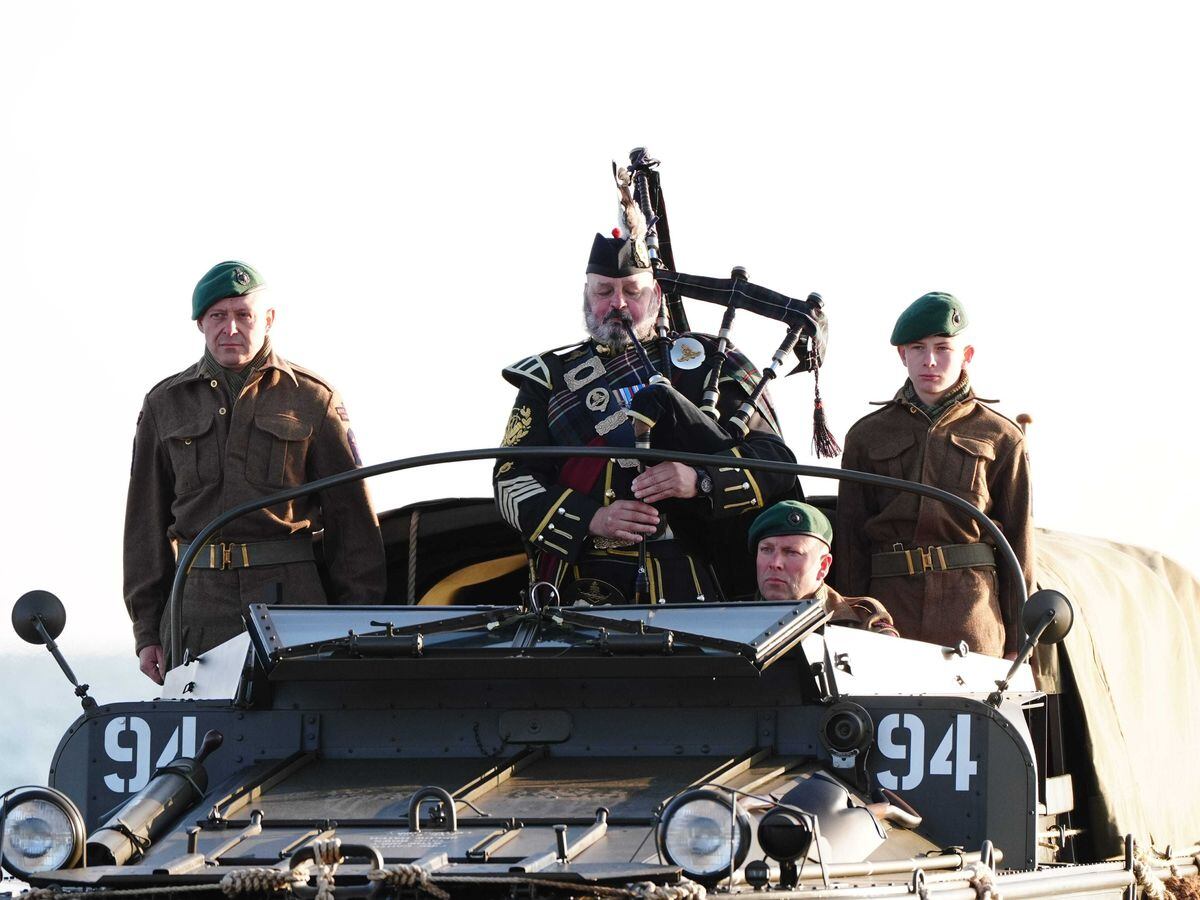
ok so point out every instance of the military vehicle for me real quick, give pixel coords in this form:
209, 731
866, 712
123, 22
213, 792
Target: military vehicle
478, 738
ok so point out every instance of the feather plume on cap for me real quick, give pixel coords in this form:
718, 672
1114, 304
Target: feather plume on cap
629, 215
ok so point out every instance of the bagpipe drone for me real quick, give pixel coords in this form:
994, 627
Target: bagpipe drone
644, 214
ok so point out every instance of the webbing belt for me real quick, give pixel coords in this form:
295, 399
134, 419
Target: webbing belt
221, 555
931, 559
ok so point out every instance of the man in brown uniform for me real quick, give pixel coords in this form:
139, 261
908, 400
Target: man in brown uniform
240, 424
790, 542
929, 564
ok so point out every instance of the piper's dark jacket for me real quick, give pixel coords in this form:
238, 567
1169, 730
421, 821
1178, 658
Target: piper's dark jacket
195, 455
578, 396
971, 451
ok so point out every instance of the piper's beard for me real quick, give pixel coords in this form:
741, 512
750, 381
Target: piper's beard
612, 333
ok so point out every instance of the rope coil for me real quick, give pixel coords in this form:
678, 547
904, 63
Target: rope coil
269, 880
326, 856
261, 879
406, 875
983, 879
685, 890
1143, 873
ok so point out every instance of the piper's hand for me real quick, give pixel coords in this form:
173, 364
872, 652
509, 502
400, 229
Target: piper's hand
668, 479
151, 662
624, 520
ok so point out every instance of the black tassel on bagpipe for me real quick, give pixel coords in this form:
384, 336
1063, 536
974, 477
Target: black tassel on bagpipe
824, 444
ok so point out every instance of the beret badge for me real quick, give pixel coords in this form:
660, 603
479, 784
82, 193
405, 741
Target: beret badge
790, 517
231, 278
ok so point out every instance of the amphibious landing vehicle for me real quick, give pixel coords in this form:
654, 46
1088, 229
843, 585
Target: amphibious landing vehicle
476, 738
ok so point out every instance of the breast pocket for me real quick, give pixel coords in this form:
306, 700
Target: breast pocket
278, 444
890, 455
192, 448
971, 456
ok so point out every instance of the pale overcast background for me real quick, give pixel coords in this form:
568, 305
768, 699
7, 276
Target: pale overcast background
420, 183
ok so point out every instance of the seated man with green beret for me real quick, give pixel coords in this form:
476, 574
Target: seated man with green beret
239, 425
790, 542
928, 563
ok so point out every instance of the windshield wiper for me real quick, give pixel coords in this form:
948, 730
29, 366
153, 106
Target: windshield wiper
635, 637
405, 640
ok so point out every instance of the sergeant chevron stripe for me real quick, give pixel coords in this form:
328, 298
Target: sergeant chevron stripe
512, 493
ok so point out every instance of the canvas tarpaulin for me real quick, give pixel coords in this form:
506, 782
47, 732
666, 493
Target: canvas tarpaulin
1134, 652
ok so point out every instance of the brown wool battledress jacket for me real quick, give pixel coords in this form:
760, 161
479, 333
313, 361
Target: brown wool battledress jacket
196, 455
971, 451
856, 612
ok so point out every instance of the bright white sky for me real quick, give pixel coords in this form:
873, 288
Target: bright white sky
420, 183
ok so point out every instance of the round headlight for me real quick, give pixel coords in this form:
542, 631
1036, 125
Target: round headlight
705, 833
41, 830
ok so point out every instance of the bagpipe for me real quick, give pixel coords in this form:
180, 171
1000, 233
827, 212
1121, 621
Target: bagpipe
645, 213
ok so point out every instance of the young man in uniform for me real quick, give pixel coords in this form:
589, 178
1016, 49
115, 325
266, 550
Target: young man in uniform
931, 566
238, 425
790, 543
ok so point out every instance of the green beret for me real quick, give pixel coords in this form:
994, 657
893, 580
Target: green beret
791, 517
935, 313
224, 280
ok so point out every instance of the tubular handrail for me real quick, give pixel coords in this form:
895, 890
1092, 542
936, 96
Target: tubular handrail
174, 603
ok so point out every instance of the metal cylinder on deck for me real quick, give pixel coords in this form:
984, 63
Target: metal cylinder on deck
153, 810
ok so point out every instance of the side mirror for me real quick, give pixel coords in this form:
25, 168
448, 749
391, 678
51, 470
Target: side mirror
39, 617
34, 606
1052, 605
1046, 617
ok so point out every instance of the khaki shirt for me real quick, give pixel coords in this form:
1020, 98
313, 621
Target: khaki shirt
971, 451
195, 455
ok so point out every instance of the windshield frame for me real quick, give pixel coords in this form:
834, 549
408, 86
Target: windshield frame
174, 604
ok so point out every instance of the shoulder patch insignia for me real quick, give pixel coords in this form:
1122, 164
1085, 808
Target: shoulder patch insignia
342, 414
353, 446
534, 368
518, 426
687, 353
505, 468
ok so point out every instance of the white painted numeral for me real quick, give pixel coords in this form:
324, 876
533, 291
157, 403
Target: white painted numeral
952, 756
912, 749
964, 766
138, 754
182, 742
